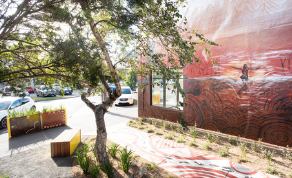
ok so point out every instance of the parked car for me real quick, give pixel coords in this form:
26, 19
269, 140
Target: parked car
20, 93
45, 91
66, 90
16, 104
29, 90
6, 91
126, 97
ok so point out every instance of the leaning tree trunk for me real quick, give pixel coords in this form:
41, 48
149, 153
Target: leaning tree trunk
99, 110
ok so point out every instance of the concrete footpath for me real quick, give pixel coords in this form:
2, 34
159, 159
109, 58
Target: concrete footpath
30, 156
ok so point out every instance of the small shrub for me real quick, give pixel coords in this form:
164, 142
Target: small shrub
151, 167
108, 169
127, 159
272, 170
193, 132
268, 155
287, 153
83, 159
154, 122
179, 129
164, 125
232, 141
242, 146
242, 159
191, 144
139, 122
158, 133
211, 137
172, 133
223, 153
141, 127
168, 137
113, 149
183, 135
131, 122
256, 147
95, 171
180, 140
207, 147
149, 131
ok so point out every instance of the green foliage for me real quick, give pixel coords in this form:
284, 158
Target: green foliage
212, 138
164, 125
243, 147
51, 109
154, 122
150, 131
268, 155
158, 133
257, 147
182, 121
151, 166
207, 147
113, 149
108, 169
21, 113
224, 153
127, 159
83, 159
180, 140
287, 153
132, 79
191, 144
232, 141
4, 176
194, 132
95, 171
139, 121
272, 170
168, 137
141, 127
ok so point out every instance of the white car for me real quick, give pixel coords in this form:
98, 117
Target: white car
16, 104
126, 97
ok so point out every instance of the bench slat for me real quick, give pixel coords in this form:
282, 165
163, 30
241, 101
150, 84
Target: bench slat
60, 146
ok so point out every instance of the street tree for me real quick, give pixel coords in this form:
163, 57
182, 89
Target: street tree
74, 41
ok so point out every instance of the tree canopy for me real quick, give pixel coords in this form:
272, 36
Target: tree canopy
82, 42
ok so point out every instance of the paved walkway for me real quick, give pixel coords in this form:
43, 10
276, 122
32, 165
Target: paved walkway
178, 158
29, 156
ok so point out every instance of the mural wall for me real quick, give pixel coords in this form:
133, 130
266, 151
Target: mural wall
249, 91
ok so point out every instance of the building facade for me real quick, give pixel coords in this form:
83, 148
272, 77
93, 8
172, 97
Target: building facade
249, 90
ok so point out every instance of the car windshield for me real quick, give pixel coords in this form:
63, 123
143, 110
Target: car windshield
45, 88
126, 91
4, 105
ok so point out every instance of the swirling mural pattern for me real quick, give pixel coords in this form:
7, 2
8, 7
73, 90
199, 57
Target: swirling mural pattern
262, 110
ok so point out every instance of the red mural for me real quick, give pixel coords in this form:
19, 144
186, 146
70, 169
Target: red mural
249, 90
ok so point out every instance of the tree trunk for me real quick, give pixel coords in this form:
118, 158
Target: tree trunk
101, 137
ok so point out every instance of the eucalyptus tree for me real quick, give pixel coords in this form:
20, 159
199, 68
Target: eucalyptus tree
74, 41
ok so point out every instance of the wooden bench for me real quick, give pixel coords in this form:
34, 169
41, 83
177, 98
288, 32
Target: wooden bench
65, 143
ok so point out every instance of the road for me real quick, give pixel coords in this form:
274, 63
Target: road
81, 116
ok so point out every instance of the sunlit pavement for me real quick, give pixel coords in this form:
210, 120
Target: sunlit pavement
178, 158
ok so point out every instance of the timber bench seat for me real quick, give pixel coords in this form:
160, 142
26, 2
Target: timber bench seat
65, 143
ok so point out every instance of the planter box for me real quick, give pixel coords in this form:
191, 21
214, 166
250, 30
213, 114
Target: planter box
53, 119
23, 125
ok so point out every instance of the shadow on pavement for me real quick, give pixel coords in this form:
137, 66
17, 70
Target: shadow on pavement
35, 139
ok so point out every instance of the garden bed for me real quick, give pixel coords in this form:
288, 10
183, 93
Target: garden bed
139, 168
256, 154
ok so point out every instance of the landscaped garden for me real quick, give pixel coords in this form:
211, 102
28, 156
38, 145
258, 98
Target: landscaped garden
253, 154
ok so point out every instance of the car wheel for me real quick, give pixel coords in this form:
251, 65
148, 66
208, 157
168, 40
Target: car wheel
4, 122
